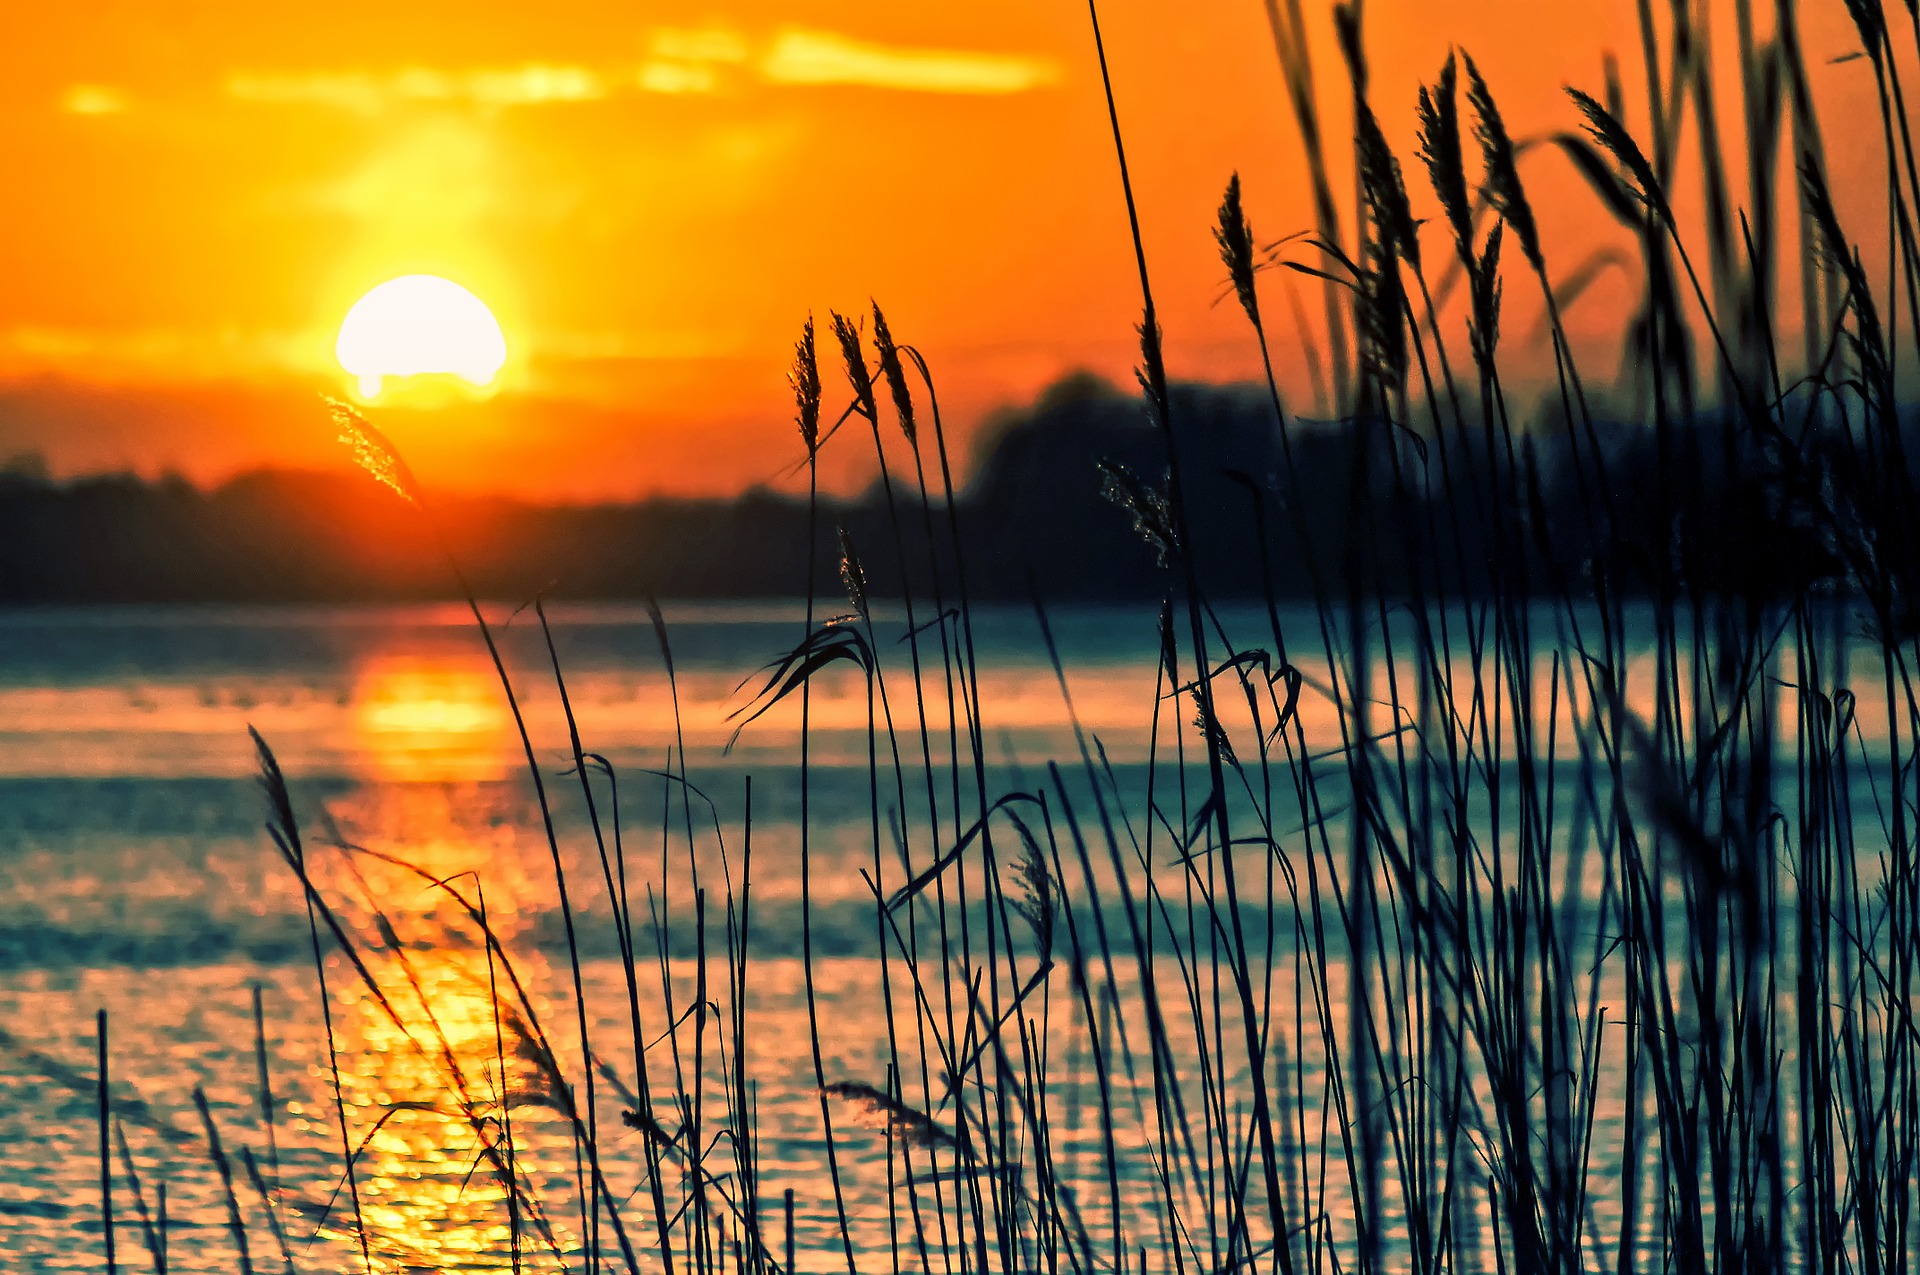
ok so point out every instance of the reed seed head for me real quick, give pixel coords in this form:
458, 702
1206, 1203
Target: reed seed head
1484, 331
847, 332
1504, 191
1441, 152
1611, 136
1234, 234
1147, 505
853, 575
649, 1128
1151, 386
1385, 189
895, 375
1213, 732
805, 380
1383, 328
914, 1128
1037, 903
1838, 257
371, 450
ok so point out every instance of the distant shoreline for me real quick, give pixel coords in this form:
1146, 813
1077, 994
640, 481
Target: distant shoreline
1053, 507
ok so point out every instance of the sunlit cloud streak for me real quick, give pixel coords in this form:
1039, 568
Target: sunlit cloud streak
144, 353
822, 57
369, 94
689, 61
710, 44
663, 76
681, 61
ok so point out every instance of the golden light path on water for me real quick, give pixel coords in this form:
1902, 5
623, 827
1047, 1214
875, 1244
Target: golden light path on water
426, 719
434, 1067
445, 1103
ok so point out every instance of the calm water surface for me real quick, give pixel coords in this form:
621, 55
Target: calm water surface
135, 876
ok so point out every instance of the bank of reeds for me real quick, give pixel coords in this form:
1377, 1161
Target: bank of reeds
1561, 922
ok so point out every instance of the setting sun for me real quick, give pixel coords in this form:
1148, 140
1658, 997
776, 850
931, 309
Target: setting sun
420, 324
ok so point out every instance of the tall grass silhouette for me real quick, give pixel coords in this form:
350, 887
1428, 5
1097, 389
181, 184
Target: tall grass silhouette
1588, 942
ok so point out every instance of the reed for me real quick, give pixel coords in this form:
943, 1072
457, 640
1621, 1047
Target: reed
103, 1103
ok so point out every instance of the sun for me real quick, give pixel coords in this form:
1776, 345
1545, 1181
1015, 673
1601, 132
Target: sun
418, 325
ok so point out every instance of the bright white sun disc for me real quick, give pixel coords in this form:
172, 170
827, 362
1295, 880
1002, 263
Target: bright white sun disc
420, 324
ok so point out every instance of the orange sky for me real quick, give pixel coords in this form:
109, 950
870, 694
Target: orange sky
652, 199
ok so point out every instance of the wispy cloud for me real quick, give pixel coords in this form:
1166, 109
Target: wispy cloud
823, 57
369, 94
663, 76
691, 61
679, 61
708, 44
152, 353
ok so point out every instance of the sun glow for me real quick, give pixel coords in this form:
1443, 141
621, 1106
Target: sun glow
433, 720
418, 325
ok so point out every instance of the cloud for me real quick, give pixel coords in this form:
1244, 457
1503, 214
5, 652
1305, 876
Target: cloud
689, 61
823, 57
662, 76
680, 61
162, 353
368, 94
535, 83
93, 99
713, 44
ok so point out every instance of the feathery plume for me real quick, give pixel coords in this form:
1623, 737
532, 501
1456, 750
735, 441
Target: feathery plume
1038, 903
853, 575
1611, 136
1385, 189
1148, 506
914, 1128
1484, 329
651, 1129
1213, 732
1839, 258
1383, 331
1150, 358
1234, 234
371, 450
895, 374
1440, 151
1503, 187
848, 334
805, 380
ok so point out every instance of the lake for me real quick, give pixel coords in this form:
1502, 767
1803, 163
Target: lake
137, 876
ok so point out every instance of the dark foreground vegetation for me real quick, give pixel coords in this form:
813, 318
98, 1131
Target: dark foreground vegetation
1590, 940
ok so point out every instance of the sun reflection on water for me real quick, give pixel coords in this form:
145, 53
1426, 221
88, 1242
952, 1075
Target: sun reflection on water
442, 719
444, 1070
